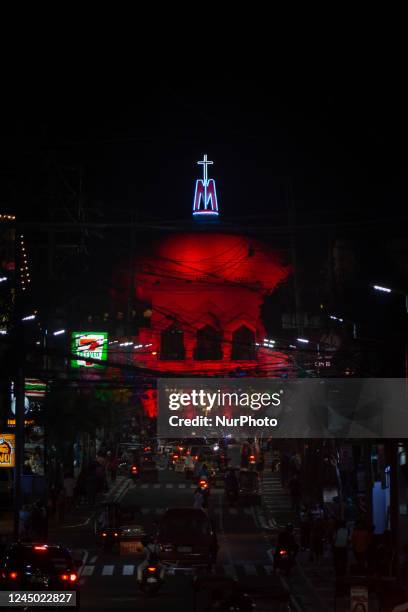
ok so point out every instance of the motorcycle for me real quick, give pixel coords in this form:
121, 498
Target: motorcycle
204, 488
283, 561
109, 539
134, 472
151, 579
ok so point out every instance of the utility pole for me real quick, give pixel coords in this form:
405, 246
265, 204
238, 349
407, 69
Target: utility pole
18, 347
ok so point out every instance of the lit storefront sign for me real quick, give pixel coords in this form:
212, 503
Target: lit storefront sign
7, 450
93, 345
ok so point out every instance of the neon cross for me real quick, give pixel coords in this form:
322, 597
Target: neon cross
205, 191
204, 163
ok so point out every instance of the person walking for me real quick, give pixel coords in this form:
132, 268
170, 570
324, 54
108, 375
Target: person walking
340, 549
295, 489
198, 499
305, 528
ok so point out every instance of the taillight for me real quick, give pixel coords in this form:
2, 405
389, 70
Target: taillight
13, 575
175, 457
151, 569
196, 457
104, 535
41, 547
116, 534
283, 552
134, 469
69, 577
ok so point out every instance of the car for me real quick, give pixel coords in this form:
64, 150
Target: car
187, 539
38, 567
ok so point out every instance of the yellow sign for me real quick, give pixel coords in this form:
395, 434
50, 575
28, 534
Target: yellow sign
7, 450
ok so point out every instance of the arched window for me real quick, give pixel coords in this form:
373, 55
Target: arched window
243, 343
208, 344
172, 344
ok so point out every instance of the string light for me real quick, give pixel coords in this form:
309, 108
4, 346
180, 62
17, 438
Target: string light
7, 218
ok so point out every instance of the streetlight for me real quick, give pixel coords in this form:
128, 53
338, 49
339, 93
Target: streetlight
388, 290
59, 332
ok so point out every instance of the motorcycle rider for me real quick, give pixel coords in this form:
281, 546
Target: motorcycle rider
152, 557
286, 541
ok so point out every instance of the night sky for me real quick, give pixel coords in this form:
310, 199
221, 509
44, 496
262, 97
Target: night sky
341, 144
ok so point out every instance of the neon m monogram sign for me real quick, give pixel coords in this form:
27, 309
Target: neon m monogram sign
205, 196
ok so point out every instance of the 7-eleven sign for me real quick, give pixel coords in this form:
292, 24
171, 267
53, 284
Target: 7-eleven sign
93, 345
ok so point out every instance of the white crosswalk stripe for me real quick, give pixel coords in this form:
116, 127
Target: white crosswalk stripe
144, 486
156, 486
182, 486
169, 486
247, 569
93, 559
145, 510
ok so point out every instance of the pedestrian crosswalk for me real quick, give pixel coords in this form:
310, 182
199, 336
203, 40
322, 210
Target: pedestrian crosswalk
232, 511
234, 570
171, 485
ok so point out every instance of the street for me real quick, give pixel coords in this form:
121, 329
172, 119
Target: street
108, 580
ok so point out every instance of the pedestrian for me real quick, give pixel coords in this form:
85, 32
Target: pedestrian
360, 541
69, 488
25, 523
295, 463
295, 488
198, 499
340, 549
260, 466
316, 541
305, 528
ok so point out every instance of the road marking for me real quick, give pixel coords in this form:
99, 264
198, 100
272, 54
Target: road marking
247, 510
233, 511
93, 560
156, 486
182, 486
145, 510
250, 569
128, 570
88, 570
107, 570
144, 486
159, 510
268, 569
169, 486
